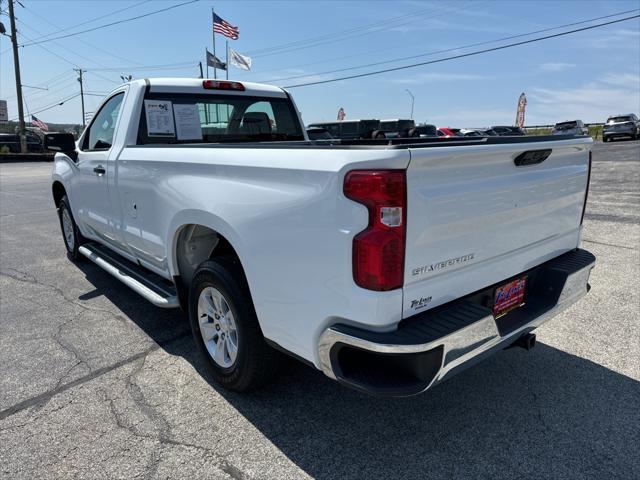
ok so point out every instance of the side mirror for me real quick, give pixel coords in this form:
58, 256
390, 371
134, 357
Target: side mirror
62, 143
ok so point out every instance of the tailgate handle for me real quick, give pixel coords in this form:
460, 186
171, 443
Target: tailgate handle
532, 157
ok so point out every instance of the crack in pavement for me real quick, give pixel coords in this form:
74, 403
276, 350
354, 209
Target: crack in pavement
31, 279
160, 423
46, 396
609, 244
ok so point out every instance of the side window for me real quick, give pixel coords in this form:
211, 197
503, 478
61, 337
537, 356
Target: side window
102, 129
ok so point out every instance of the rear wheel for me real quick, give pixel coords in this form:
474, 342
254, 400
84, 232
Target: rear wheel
225, 327
70, 232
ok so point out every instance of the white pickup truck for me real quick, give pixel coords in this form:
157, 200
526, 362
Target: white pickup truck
390, 265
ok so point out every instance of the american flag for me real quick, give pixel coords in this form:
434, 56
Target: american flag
223, 27
39, 123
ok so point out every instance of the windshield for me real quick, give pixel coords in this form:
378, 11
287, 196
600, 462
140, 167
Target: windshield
566, 125
193, 118
619, 119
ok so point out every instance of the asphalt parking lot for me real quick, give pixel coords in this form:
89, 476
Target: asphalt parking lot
97, 383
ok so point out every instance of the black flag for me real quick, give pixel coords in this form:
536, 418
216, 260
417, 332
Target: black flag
215, 62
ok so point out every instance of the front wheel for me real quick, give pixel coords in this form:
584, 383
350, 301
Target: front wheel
225, 327
70, 232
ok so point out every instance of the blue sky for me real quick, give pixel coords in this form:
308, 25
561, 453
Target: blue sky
588, 75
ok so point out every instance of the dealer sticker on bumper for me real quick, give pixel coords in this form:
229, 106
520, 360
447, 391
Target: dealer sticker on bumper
509, 296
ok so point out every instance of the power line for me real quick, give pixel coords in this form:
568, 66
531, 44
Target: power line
137, 17
436, 52
95, 47
147, 67
339, 38
53, 105
259, 52
89, 21
454, 57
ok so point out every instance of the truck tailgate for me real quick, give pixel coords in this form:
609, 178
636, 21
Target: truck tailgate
474, 218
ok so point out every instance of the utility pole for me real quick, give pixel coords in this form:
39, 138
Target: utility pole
80, 72
412, 101
16, 66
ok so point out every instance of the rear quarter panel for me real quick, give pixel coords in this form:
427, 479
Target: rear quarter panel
284, 213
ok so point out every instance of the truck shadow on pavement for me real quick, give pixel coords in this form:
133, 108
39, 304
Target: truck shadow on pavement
538, 414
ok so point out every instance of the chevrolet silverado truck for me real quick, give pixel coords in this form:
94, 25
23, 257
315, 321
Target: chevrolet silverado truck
390, 265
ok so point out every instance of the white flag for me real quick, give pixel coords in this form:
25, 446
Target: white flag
241, 61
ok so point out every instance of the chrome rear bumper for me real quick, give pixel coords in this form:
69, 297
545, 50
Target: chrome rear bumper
432, 346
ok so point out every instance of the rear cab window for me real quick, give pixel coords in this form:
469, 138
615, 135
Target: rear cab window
174, 118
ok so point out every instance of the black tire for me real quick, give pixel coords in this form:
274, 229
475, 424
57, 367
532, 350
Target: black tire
256, 363
75, 239
378, 135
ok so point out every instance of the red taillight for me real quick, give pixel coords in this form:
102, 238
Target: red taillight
222, 85
378, 251
586, 193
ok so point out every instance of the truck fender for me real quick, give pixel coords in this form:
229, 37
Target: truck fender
206, 219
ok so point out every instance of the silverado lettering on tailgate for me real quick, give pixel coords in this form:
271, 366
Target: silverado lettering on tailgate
442, 265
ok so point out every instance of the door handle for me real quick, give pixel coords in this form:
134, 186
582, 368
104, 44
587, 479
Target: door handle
99, 170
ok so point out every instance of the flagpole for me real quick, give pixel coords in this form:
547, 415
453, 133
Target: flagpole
227, 47
206, 60
213, 19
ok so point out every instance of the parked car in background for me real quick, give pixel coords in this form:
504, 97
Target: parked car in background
626, 125
488, 132
447, 132
318, 133
424, 130
471, 132
396, 128
352, 129
12, 142
507, 131
572, 127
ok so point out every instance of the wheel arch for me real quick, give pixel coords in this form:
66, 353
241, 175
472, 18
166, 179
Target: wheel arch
198, 236
58, 191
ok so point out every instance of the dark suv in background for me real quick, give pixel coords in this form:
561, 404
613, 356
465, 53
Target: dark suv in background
11, 142
351, 129
621, 126
506, 131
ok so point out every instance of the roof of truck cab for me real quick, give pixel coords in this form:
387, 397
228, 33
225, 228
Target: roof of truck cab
177, 85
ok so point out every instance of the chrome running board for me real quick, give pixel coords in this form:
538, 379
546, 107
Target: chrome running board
133, 277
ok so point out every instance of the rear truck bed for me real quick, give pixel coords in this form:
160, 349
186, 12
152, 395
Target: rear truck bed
491, 252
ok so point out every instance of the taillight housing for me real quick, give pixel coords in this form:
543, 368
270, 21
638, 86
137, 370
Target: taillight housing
586, 193
378, 251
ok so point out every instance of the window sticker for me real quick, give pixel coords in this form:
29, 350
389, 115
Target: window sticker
187, 121
159, 115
